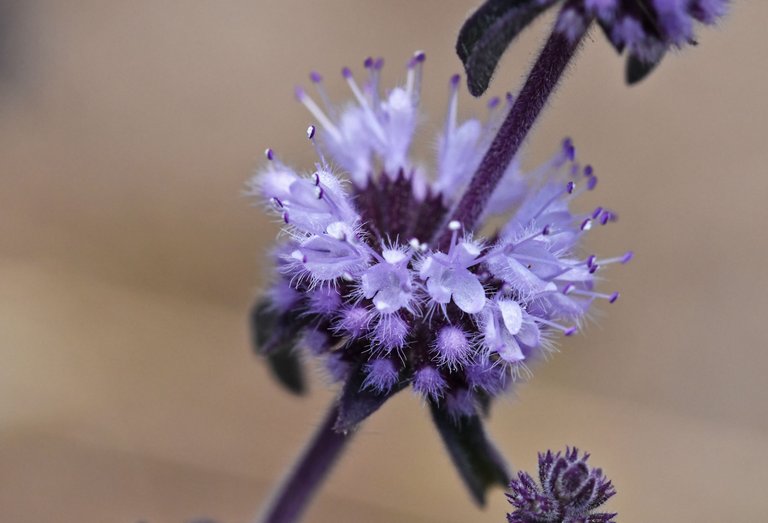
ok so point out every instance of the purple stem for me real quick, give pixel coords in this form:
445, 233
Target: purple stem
308, 473
539, 85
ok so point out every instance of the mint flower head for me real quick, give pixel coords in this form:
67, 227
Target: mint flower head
377, 280
644, 29
569, 491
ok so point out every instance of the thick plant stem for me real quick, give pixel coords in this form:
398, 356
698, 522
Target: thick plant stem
540, 84
295, 493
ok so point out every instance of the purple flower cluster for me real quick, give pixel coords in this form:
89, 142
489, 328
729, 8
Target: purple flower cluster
363, 277
570, 492
645, 28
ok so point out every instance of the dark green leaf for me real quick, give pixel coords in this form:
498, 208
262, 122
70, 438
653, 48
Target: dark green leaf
287, 368
488, 32
275, 336
638, 69
477, 460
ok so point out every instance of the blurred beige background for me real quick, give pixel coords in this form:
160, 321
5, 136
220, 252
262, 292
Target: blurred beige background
129, 256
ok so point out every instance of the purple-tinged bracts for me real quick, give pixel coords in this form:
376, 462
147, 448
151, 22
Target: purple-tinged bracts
569, 491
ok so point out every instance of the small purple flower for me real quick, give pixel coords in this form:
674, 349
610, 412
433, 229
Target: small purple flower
569, 492
363, 271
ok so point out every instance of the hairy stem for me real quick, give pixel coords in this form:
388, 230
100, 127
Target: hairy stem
540, 84
294, 495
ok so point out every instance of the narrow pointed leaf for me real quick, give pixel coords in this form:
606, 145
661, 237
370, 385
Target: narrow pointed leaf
477, 460
263, 322
275, 337
488, 32
480, 21
286, 367
638, 69
357, 403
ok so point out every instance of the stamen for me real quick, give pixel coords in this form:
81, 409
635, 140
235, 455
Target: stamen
311, 130
586, 224
607, 216
374, 70
364, 103
569, 187
453, 105
570, 289
317, 80
568, 331
454, 227
569, 150
318, 113
269, 154
517, 243
619, 259
413, 80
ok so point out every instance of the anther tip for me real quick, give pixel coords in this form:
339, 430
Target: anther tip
586, 224
588, 170
591, 182
311, 132
368, 63
298, 91
628, 256
346, 72
315, 77
547, 230
614, 297
378, 64
570, 331
455, 79
493, 102
570, 187
269, 153
417, 58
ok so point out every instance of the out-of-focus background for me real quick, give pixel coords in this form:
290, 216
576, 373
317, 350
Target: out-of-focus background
129, 257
